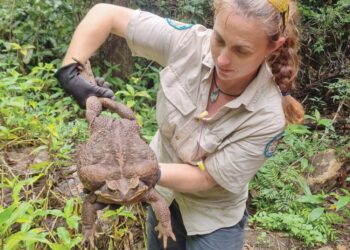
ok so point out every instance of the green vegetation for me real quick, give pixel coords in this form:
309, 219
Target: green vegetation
35, 114
282, 197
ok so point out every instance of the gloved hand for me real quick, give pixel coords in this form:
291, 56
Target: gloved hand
71, 81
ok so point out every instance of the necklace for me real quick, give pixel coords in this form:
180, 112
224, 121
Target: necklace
216, 91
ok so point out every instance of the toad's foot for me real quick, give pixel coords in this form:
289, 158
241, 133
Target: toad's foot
165, 231
89, 238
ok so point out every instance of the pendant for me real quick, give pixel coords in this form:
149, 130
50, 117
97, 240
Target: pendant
214, 95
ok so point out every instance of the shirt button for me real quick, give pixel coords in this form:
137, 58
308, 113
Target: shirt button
177, 137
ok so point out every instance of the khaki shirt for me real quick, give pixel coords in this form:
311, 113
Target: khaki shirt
232, 144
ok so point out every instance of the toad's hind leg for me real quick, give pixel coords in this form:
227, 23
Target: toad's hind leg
89, 216
162, 212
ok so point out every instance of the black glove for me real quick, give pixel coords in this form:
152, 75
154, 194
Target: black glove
71, 81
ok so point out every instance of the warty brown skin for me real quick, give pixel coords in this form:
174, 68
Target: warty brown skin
116, 166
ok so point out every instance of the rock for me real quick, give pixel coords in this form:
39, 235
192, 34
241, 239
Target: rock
327, 170
70, 186
20, 160
341, 247
325, 248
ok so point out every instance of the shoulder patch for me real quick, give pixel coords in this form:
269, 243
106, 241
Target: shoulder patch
178, 25
271, 146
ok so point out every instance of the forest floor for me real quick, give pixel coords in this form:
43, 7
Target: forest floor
258, 239
67, 184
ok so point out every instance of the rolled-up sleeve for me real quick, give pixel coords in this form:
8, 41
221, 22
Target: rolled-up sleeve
151, 37
234, 165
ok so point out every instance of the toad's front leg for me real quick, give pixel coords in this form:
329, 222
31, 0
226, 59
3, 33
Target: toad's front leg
162, 212
89, 215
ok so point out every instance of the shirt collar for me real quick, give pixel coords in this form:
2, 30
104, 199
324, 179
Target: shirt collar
208, 60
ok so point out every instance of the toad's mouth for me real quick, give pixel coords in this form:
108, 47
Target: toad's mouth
116, 197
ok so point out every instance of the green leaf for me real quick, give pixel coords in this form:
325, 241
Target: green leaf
58, 246
15, 215
130, 89
304, 163
126, 213
303, 183
325, 122
40, 165
75, 241
64, 235
109, 213
56, 212
25, 227
342, 202
73, 221
317, 115
297, 129
5, 214
40, 212
28, 46
28, 56
143, 93
123, 92
309, 117
130, 103
15, 46
12, 242
135, 80
312, 199
19, 185
53, 130
68, 209
139, 119
316, 213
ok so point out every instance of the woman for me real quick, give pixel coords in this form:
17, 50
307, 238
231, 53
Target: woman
219, 107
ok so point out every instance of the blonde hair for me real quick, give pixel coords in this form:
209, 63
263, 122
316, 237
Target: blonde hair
284, 62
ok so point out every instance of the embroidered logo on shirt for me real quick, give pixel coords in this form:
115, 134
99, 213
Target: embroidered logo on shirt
178, 25
271, 146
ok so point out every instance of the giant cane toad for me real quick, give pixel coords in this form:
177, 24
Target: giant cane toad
116, 166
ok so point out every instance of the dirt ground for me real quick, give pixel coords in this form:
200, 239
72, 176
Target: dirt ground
262, 240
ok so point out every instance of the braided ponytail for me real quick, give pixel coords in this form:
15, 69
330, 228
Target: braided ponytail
284, 63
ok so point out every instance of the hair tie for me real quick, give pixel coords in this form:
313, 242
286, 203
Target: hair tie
285, 93
283, 8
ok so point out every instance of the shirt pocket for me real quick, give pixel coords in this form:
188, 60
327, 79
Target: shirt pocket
173, 103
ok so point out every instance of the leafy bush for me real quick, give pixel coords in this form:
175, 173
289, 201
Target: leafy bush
279, 191
326, 51
282, 198
189, 11
42, 28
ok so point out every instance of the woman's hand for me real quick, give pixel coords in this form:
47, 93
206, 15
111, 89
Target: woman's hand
71, 81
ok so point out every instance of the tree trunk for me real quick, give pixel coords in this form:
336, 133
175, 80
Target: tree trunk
115, 50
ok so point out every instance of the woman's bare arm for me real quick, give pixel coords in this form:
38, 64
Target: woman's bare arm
185, 178
94, 29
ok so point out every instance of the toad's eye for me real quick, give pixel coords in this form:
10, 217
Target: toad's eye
112, 185
134, 182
